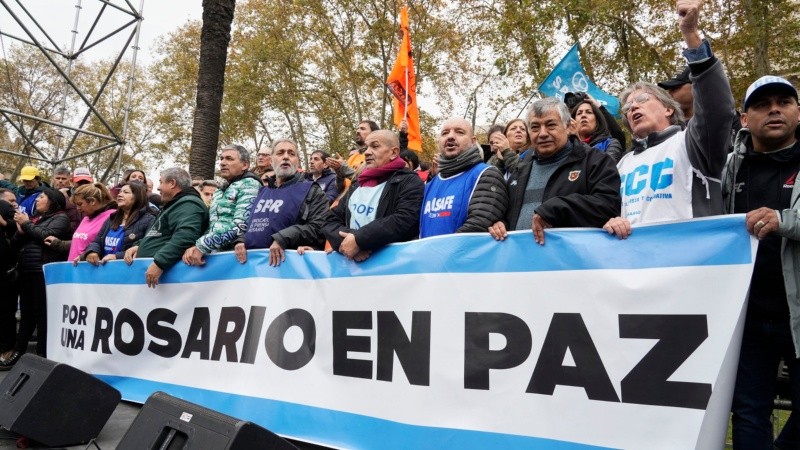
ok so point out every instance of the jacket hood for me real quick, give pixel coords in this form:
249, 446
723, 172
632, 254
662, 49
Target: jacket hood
190, 191
247, 174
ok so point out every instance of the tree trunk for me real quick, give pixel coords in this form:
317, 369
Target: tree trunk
757, 15
214, 39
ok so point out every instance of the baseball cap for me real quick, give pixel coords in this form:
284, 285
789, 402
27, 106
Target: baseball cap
768, 81
680, 79
82, 174
28, 173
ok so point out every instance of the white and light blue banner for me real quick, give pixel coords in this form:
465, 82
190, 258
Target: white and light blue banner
568, 76
453, 342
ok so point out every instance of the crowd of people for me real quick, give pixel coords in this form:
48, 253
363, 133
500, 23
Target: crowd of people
563, 165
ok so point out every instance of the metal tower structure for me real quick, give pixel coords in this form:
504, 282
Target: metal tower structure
116, 23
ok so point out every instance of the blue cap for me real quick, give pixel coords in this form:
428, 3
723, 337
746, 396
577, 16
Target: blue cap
768, 81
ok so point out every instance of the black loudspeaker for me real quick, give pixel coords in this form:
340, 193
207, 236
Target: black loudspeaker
169, 423
54, 404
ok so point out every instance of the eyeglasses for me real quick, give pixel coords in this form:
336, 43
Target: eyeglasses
641, 98
263, 154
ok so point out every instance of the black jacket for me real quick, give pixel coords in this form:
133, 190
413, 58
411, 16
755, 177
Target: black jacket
8, 257
133, 232
614, 130
33, 254
582, 192
396, 220
327, 182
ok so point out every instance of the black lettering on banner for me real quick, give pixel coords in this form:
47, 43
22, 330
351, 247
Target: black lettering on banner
103, 328
82, 315
74, 315
199, 336
225, 338
342, 343
568, 332
254, 325
277, 330
71, 338
479, 359
678, 337
414, 353
135, 346
165, 333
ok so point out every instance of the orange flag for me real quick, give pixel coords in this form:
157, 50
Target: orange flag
403, 84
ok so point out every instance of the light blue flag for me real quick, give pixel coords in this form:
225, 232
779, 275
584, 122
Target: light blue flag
568, 76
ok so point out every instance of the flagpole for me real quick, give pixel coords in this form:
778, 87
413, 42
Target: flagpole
406, 36
535, 93
405, 109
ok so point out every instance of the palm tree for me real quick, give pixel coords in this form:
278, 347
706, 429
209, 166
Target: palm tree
214, 39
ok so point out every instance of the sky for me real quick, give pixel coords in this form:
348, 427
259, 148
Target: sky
57, 18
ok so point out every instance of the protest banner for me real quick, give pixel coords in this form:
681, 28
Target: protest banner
449, 342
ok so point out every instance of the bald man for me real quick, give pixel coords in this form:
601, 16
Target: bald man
466, 195
381, 207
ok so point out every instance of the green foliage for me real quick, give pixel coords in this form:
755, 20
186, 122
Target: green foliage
30, 84
312, 69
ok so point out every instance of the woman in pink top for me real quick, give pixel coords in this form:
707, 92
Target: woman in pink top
95, 205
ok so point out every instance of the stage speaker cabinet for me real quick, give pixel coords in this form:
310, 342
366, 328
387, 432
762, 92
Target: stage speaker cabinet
169, 423
54, 404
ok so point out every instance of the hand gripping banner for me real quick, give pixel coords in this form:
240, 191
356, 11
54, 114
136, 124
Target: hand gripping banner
454, 342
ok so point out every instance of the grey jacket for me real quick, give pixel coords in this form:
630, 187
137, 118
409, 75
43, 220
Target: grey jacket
788, 230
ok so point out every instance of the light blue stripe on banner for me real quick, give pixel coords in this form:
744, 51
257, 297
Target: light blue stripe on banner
336, 428
708, 242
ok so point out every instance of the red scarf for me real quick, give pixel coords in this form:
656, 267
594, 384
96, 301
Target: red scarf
374, 176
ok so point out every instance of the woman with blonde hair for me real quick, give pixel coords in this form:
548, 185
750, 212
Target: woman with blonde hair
95, 205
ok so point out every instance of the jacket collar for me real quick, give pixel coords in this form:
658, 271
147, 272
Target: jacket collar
655, 138
298, 176
246, 174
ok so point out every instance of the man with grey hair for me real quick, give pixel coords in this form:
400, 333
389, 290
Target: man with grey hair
181, 221
289, 211
230, 205
674, 173
563, 182
263, 160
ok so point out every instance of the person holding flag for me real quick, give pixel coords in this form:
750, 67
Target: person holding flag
403, 84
